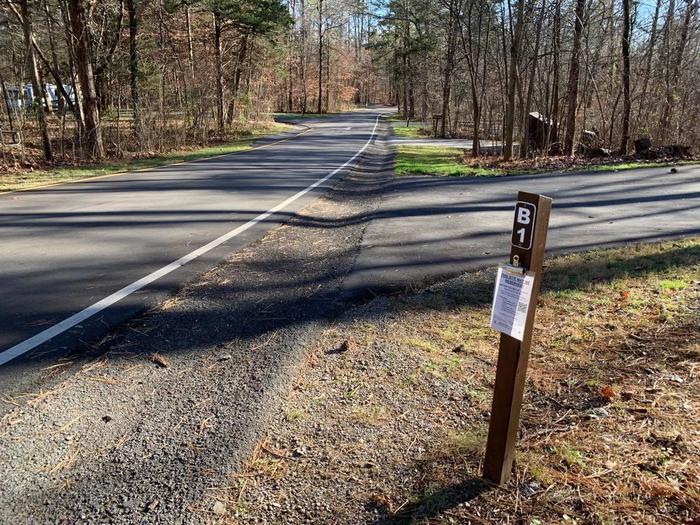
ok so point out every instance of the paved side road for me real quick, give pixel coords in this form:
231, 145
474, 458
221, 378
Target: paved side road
434, 227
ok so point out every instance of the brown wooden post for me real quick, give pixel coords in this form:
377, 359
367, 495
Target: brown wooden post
513, 355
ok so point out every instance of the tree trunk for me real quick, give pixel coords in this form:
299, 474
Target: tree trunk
290, 58
572, 95
653, 34
553, 131
675, 71
327, 103
92, 136
405, 71
449, 66
525, 132
36, 81
473, 68
60, 100
6, 101
219, 75
163, 70
190, 47
319, 108
76, 105
134, 65
302, 60
512, 80
242, 54
79, 110
627, 100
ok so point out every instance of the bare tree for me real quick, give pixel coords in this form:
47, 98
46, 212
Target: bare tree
515, 46
134, 64
82, 45
37, 86
627, 99
450, 44
219, 73
574, 70
675, 67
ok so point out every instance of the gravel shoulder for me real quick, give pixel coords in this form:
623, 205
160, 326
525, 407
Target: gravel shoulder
150, 426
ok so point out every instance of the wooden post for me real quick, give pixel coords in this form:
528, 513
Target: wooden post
528, 243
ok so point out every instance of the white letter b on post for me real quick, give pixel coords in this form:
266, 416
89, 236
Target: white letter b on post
523, 216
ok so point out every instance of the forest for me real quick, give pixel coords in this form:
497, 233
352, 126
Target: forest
86, 80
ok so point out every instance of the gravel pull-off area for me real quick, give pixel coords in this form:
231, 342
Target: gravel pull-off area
387, 418
150, 426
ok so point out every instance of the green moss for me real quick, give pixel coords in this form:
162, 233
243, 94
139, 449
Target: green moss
463, 442
293, 414
422, 344
571, 456
673, 285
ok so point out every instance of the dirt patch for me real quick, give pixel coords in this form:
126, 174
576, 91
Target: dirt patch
387, 418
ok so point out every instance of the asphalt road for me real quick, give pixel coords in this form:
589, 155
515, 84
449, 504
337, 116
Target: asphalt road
66, 247
430, 228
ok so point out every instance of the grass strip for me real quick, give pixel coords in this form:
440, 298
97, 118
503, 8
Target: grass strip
611, 408
442, 161
432, 160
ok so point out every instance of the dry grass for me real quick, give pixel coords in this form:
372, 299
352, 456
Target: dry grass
453, 162
517, 166
25, 168
611, 419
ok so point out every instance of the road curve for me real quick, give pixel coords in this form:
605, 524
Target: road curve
68, 247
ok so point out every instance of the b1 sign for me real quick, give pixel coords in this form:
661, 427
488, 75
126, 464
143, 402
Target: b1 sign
524, 225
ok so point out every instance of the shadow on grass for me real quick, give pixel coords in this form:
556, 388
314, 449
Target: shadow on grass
280, 275
572, 272
598, 266
433, 504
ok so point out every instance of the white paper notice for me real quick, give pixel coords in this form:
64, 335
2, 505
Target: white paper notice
511, 301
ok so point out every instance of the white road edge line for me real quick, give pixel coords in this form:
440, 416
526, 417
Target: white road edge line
75, 319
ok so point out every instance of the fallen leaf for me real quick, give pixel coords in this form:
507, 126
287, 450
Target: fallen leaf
607, 392
219, 508
161, 360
